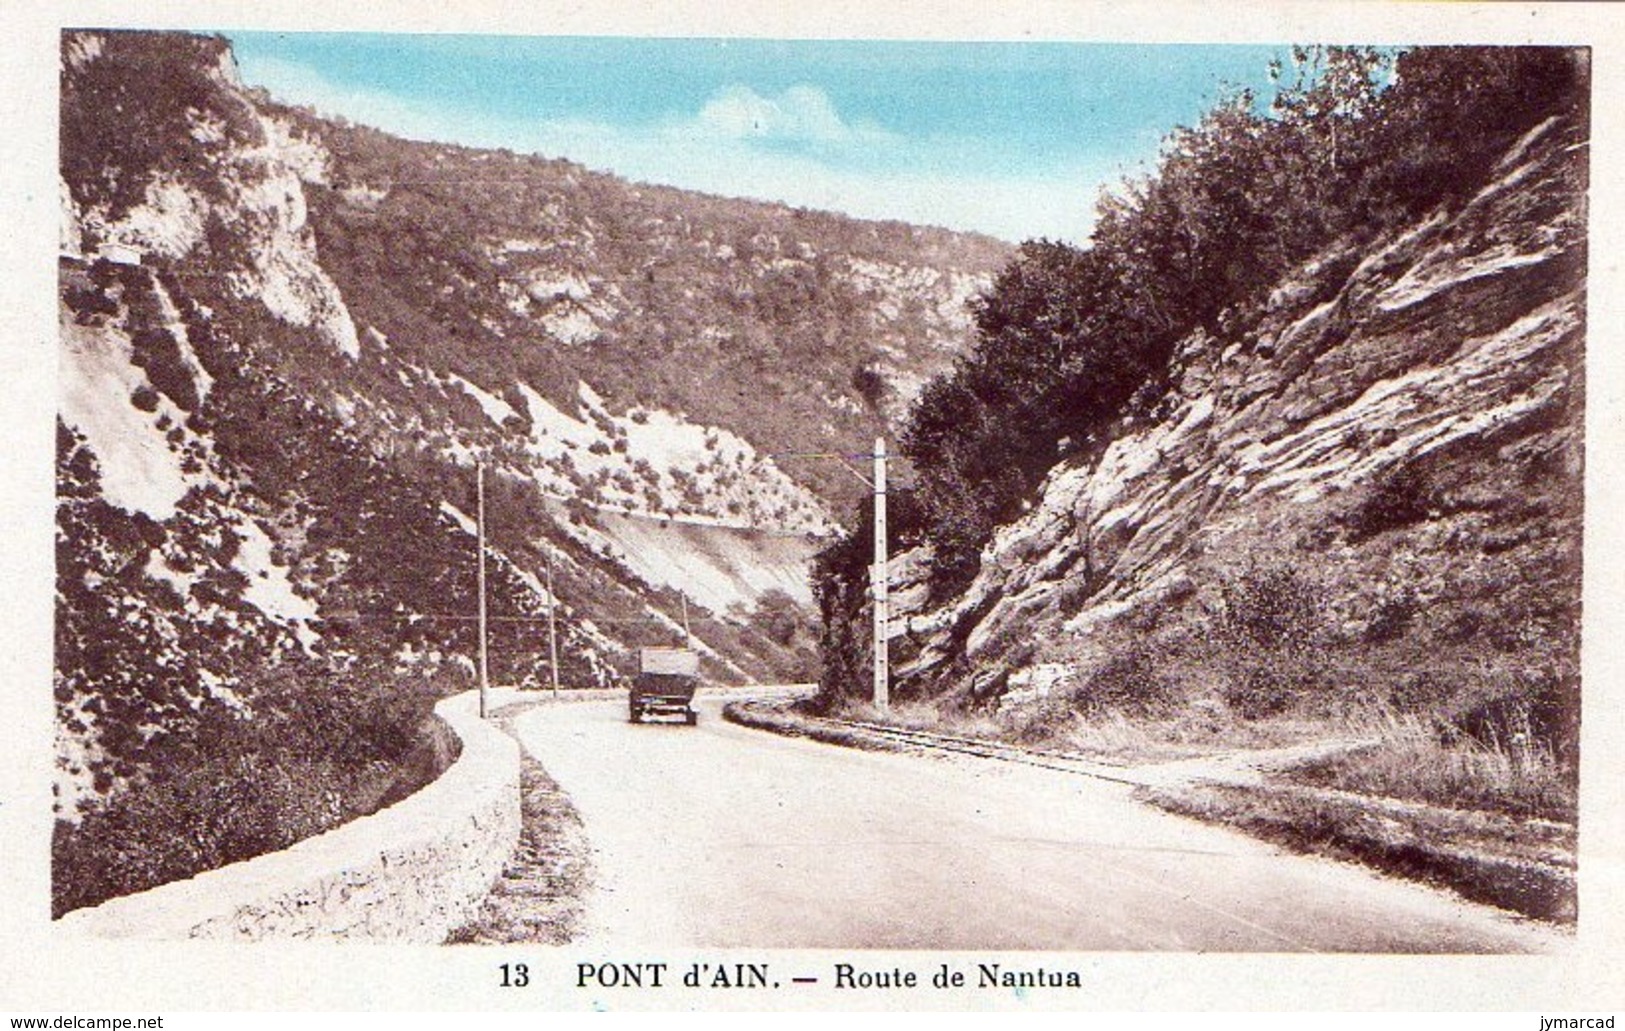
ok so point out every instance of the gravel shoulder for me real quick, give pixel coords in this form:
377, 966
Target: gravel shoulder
540, 897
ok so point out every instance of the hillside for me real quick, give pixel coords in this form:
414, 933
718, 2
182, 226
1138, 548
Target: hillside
524, 276
285, 344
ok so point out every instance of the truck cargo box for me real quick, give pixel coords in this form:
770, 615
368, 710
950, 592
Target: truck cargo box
680, 662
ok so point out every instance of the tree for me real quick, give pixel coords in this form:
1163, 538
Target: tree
777, 617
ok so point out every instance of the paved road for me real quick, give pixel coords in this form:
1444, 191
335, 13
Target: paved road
720, 836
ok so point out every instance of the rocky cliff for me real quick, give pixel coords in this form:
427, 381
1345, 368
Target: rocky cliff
1380, 474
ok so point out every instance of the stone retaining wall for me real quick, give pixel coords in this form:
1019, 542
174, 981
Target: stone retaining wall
411, 873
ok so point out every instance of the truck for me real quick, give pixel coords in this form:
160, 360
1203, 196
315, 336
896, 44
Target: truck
665, 684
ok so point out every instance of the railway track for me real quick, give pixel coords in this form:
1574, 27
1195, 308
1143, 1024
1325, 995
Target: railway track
1050, 760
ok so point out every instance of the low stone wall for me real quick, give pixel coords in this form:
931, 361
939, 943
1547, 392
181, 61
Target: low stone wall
411, 873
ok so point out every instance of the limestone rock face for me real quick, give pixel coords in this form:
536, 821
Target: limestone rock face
1402, 420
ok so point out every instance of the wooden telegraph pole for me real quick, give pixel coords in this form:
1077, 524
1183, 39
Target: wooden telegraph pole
552, 631
485, 677
879, 584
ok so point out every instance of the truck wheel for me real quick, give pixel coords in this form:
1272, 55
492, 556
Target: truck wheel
692, 717
635, 716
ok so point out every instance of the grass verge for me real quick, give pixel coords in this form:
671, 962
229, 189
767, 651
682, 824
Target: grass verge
1521, 865
539, 899
1110, 738
1518, 776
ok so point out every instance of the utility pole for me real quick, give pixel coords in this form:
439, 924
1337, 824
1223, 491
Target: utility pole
879, 586
485, 678
879, 582
552, 631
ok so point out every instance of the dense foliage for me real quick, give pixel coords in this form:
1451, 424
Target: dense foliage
241, 785
840, 586
159, 89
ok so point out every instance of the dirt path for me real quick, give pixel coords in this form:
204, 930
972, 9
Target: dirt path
718, 836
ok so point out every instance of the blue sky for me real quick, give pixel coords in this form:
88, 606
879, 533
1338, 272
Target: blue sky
1009, 139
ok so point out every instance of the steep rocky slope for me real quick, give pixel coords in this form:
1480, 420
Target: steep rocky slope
798, 330
285, 344
1371, 493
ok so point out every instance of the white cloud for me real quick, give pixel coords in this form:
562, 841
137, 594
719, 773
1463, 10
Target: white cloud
799, 114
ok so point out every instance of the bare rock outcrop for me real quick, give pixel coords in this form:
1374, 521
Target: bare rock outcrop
1400, 424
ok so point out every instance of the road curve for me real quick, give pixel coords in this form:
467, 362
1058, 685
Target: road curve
722, 836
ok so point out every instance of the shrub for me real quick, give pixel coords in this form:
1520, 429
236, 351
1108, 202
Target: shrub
777, 617
1419, 690
1396, 500
1267, 687
870, 385
1270, 631
89, 303
1132, 681
1537, 708
1270, 607
1392, 615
